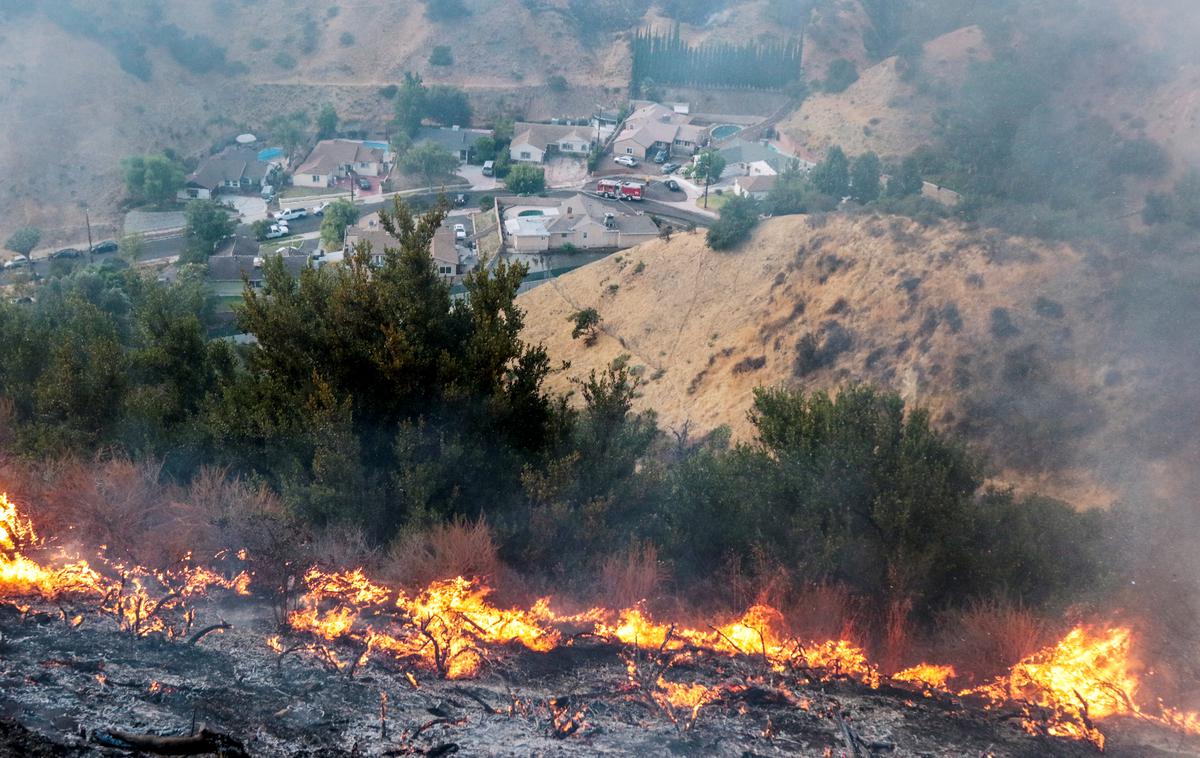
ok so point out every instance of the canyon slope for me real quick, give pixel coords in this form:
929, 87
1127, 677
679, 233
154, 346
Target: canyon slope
1069, 368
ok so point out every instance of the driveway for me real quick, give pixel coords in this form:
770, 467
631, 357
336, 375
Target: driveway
251, 209
474, 175
149, 222
562, 171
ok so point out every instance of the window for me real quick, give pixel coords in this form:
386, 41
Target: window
629, 151
316, 178
525, 155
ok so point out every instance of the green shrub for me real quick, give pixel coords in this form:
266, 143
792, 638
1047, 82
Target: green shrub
840, 75
284, 60
441, 56
739, 215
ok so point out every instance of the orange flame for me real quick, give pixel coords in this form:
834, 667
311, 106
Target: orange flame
452, 628
929, 675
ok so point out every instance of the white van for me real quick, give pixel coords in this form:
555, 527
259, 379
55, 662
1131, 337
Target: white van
489, 168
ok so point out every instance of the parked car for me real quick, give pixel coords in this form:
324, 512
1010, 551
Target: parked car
670, 168
16, 263
276, 231
287, 214
672, 185
489, 168
105, 247
364, 183
319, 208
66, 252
660, 156
267, 193
460, 199
626, 160
460, 232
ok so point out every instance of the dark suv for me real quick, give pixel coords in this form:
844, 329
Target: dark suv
107, 246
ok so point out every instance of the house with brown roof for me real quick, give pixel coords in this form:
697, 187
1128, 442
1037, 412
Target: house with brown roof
757, 186
443, 250
534, 143
653, 128
334, 159
534, 224
234, 169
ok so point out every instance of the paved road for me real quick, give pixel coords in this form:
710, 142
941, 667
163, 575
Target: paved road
165, 248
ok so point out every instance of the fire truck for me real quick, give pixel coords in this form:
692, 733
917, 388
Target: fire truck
619, 190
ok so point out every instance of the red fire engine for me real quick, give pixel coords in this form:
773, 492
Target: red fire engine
619, 190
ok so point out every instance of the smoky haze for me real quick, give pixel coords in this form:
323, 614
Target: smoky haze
892, 324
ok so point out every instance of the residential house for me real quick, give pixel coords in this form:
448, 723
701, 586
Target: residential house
443, 250
745, 158
757, 186
452, 139
334, 159
234, 169
654, 127
226, 272
536, 224
237, 244
534, 143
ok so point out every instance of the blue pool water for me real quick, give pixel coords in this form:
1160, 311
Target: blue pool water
269, 153
725, 130
378, 145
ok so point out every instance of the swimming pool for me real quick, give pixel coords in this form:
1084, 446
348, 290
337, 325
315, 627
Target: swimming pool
378, 145
531, 213
270, 153
725, 130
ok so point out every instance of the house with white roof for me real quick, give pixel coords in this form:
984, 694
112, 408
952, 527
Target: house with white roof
333, 159
534, 143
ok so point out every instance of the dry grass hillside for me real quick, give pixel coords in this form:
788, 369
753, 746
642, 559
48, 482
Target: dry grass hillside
1011, 342
70, 113
882, 111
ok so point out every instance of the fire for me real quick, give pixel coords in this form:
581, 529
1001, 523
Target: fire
453, 628
141, 600
1090, 675
448, 626
931, 676
691, 696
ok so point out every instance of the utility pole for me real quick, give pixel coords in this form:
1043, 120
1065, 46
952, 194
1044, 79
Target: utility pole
87, 219
707, 175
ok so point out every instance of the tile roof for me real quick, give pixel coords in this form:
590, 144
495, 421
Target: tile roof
542, 135
757, 183
329, 155
232, 164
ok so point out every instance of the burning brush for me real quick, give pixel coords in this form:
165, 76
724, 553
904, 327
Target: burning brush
452, 630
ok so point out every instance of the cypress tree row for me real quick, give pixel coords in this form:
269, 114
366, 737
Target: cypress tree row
667, 59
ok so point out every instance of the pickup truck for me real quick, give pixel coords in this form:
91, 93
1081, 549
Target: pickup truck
287, 214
